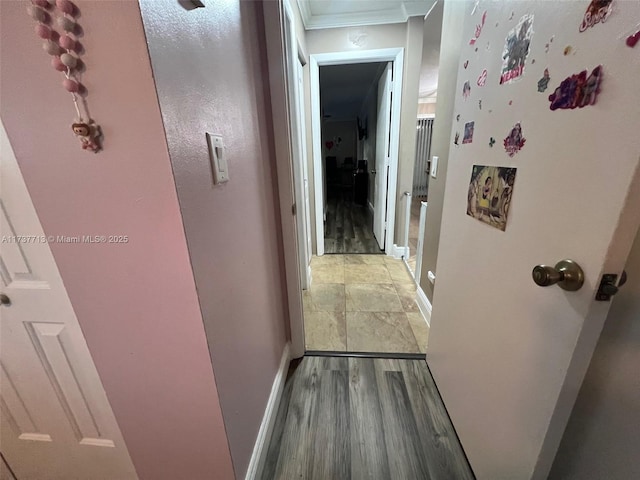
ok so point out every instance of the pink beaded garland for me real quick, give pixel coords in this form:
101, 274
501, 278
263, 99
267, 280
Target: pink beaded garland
68, 60
70, 85
58, 65
66, 24
65, 6
67, 42
43, 31
38, 14
51, 48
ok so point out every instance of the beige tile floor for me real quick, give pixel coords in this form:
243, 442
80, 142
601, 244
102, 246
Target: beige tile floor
362, 303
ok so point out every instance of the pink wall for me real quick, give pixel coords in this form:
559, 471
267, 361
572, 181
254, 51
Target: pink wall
210, 70
136, 302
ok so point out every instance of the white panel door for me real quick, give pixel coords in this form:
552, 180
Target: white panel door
56, 421
383, 132
509, 356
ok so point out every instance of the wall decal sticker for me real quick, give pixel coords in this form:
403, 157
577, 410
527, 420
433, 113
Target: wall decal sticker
568, 49
547, 45
514, 141
456, 139
466, 90
458, 118
328, 144
543, 83
511, 16
597, 11
489, 195
468, 132
516, 50
492, 142
633, 39
478, 29
466, 64
482, 79
480, 104
577, 91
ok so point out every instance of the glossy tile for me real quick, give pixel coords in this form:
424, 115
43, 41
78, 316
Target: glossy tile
364, 259
327, 274
399, 273
327, 260
325, 331
364, 297
420, 330
388, 332
372, 274
327, 297
407, 295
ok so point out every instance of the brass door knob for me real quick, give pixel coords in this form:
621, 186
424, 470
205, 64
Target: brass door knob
4, 300
567, 274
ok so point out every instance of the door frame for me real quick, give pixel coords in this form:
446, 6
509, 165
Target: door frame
395, 55
297, 123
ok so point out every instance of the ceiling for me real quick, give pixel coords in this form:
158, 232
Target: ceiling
351, 13
344, 88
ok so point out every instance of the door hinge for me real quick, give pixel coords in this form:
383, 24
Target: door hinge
293, 209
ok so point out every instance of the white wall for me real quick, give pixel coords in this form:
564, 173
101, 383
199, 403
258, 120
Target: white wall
602, 438
451, 44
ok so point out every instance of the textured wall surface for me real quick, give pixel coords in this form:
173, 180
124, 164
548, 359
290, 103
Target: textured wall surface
136, 302
210, 71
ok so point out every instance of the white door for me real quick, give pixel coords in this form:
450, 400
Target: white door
509, 356
305, 166
383, 132
56, 422
603, 434
298, 148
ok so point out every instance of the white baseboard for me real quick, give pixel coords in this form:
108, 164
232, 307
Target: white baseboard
258, 457
398, 251
424, 305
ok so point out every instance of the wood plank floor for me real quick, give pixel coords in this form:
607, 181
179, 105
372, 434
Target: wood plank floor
349, 226
346, 418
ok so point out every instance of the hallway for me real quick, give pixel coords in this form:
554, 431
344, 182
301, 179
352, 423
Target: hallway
363, 418
349, 226
362, 303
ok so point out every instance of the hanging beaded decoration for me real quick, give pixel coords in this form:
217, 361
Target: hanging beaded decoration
64, 49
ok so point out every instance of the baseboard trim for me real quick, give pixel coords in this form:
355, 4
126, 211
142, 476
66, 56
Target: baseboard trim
258, 457
397, 251
424, 305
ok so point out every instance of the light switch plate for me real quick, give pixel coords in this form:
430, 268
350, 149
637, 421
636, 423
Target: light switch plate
218, 159
434, 166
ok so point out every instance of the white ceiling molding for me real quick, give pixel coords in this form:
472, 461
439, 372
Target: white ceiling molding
354, 13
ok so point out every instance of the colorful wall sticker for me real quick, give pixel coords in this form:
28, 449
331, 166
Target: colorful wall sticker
633, 39
456, 139
466, 90
516, 50
492, 142
514, 141
489, 195
597, 11
482, 79
479, 28
543, 83
577, 91
468, 132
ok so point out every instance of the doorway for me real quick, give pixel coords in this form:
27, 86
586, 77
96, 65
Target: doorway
385, 176
350, 119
